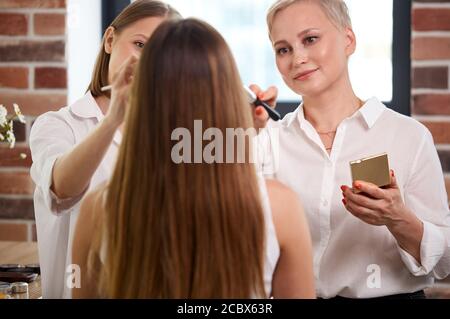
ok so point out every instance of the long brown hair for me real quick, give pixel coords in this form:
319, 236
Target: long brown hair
183, 230
135, 11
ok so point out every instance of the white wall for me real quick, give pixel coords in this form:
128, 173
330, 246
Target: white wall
83, 43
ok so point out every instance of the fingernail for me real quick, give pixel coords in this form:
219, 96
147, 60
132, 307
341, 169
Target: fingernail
343, 188
259, 111
358, 185
344, 202
392, 173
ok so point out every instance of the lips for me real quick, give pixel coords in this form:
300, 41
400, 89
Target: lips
304, 75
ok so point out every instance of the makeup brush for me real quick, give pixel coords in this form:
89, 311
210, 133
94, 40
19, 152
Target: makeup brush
106, 88
253, 99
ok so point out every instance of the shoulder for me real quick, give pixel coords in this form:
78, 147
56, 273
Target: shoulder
89, 217
287, 210
51, 117
88, 221
53, 123
92, 205
406, 124
84, 106
68, 122
279, 193
51, 128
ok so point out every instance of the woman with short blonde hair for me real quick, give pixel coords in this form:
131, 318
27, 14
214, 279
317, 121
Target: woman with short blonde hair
368, 241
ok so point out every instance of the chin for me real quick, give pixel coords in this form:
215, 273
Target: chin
305, 89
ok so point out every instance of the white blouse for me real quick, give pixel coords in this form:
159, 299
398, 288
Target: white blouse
53, 134
352, 258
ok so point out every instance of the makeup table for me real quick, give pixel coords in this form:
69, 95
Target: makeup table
22, 253
27, 253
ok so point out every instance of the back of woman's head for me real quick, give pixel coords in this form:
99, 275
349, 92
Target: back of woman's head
135, 11
187, 230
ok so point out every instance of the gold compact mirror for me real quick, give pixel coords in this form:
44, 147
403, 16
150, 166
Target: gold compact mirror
372, 169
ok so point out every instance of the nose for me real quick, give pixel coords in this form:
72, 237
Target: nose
300, 56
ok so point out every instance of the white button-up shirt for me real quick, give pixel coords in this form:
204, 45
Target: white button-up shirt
52, 135
352, 258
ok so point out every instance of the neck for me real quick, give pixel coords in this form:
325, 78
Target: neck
328, 109
103, 103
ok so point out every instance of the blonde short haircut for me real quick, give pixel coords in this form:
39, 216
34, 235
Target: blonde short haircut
336, 11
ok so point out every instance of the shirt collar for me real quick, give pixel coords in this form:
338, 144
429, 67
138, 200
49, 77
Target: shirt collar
297, 114
87, 107
370, 112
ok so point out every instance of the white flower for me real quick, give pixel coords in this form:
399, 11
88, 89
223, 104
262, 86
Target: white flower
7, 125
11, 139
3, 113
19, 113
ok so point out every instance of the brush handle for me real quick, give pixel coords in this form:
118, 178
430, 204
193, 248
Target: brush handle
106, 88
274, 115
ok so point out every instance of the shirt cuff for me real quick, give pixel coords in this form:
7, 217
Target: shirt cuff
57, 205
432, 248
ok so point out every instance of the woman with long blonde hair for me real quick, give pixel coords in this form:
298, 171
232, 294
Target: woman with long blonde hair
160, 229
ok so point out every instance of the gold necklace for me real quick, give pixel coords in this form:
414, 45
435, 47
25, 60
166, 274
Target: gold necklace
326, 133
330, 135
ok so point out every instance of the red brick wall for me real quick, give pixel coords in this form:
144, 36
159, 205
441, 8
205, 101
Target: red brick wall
430, 52
33, 75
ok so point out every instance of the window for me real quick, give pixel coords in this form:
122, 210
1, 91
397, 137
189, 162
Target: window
378, 25
110, 9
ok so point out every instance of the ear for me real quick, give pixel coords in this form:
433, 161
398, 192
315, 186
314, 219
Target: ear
350, 45
109, 39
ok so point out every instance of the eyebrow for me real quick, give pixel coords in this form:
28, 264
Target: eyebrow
298, 35
140, 34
